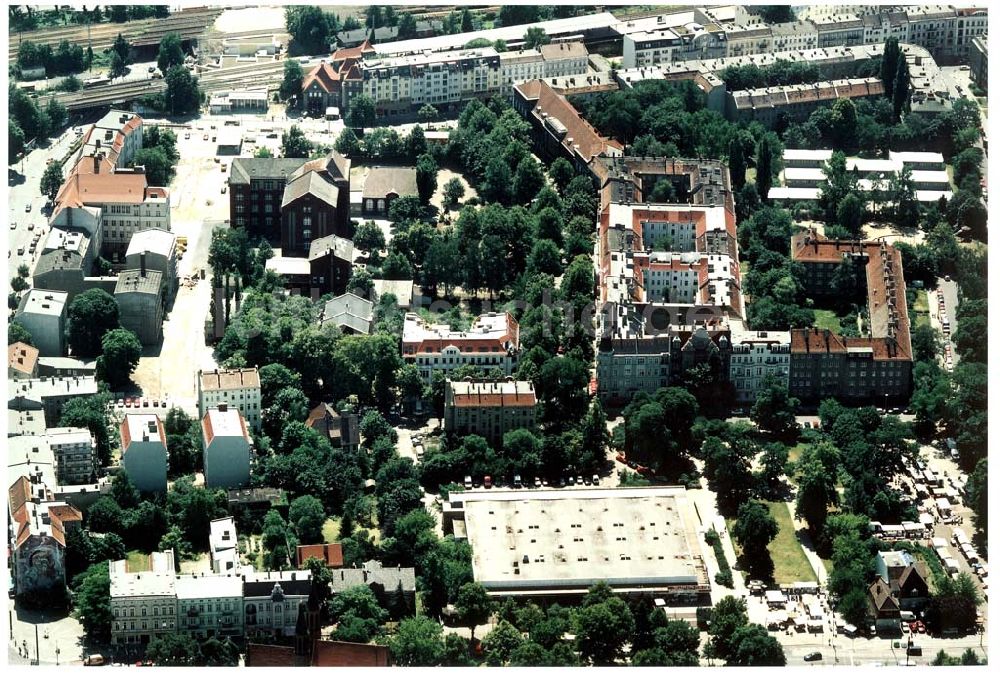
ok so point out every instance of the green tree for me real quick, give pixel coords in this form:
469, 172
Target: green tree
18, 333
754, 646
765, 167
183, 95
528, 180
52, 180
295, 144
817, 491
15, 141
755, 528
310, 28
171, 52
418, 642
120, 353
91, 314
57, 115
427, 169
851, 214
474, 607
92, 602
427, 113
602, 628
307, 515
369, 237
347, 143
90, 412
453, 193
159, 169
728, 616
173, 650
535, 37
774, 409
900, 89
119, 57
362, 112
561, 172
291, 82
358, 614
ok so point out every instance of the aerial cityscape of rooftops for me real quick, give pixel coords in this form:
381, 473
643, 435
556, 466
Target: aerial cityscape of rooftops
319, 314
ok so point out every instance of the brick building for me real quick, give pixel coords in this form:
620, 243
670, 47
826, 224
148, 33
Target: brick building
488, 408
315, 203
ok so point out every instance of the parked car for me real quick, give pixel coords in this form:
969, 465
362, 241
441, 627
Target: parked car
517, 481
31, 226
579, 480
93, 660
538, 482
813, 656
468, 482
13, 225
571, 480
487, 482
596, 479
562, 482
27, 207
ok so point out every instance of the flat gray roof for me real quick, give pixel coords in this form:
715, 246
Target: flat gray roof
573, 538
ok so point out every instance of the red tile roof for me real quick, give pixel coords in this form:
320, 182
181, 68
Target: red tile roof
331, 553
324, 75
546, 100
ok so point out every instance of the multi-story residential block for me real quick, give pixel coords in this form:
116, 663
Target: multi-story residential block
154, 250
139, 294
22, 361
144, 451
341, 429
979, 62
489, 408
227, 448
65, 263
238, 388
757, 357
256, 190
38, 526
874, 368
492, 343
793, 36
209, 605
557, 128
271, 601
223, 546
335, 83
143, 601
797, 101
75, 453
48, 394
746, 39
316, 203
43, 314
128, 203
118, 135
678, 43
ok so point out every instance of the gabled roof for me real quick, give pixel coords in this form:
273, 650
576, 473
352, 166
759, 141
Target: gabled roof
245, 169
323, 75
18, 493
331, 554
346, 53
332, 244
383, 180
881, 598
310, 183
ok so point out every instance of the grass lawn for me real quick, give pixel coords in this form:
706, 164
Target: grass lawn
827, 318
331, 531
137, 561
790, 562
921, 309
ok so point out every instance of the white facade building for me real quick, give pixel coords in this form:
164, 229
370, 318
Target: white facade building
491, 343
757, 356
238, 388
143, 602
43, 313
75, 453
227, 448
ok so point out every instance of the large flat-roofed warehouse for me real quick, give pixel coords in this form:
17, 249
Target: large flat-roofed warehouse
558, 543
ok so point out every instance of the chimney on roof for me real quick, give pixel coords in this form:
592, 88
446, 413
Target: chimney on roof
142, 264
97, 163
223, 407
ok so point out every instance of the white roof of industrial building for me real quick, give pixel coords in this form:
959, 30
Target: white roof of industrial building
572, 538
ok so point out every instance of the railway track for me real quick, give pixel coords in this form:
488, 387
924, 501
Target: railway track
109, 94
102, 35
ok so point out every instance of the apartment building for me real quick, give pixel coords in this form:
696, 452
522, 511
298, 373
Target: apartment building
492, 343
154, 250
139, 294
38, 524
979, 62
227, 448
489, 408
796, 101
757, 358
874, 368
22, 361
238, 388
143, 601
117, 135
144, 451
48, 394
75, 453
209, 605
559, 59
271, 601
557, 128
66, 262
679, 43
42, 312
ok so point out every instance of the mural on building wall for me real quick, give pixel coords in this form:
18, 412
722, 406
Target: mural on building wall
39, 565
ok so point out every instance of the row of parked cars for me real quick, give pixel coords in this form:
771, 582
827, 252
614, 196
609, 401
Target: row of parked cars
538, 482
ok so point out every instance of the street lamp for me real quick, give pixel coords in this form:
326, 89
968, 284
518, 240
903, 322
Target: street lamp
57, 656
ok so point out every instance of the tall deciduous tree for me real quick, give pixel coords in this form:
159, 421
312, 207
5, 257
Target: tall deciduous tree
120, 353
91, 314
171, 53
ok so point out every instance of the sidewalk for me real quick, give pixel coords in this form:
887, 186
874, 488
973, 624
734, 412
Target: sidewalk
802, 533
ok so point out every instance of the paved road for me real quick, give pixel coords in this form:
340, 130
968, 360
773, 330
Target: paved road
23, 190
